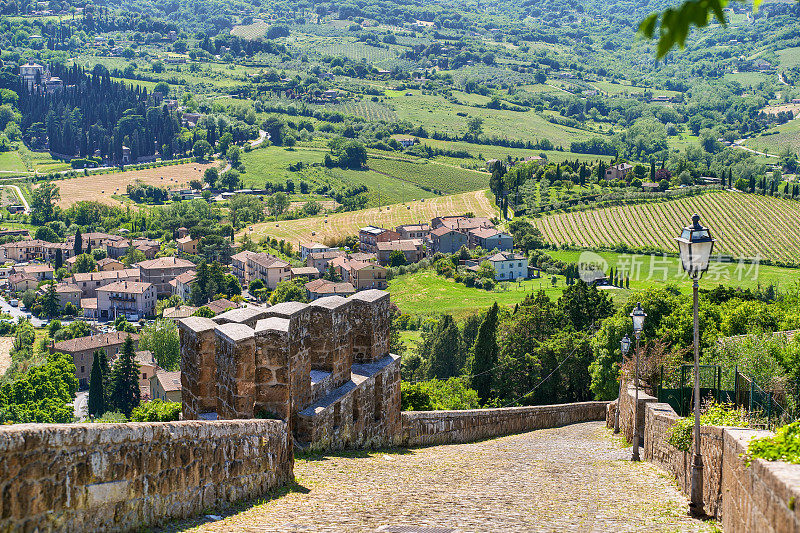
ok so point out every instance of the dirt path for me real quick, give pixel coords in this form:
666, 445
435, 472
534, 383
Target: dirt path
6, 343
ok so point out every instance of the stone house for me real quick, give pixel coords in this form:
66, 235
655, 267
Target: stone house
166, 386
413, 250
461, 224
89, 282
447, 240
320, 288
311, 248
188, 245
619, 171
361, 274
370, 236
109, 265
413, 231
82, 351
490, 239
320, 260
34, 250
182, 284
132, 299
162, 270
268, 268
305, 272
20, 282
38, 272
323, 367
67, 293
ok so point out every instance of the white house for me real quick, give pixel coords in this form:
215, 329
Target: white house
509, 265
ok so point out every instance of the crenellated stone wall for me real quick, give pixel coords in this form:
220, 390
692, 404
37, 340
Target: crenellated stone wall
756, 498
425, 428
124, 477
198, 366
323, 367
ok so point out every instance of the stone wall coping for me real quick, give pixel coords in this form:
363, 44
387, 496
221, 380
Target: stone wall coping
330, 302
509, 411
197, 324
272, 323
64, 435
370, 295
643, 396
370, 369
241, 314
235, 332
286, 309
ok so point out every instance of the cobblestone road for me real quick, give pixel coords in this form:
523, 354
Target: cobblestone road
575, 478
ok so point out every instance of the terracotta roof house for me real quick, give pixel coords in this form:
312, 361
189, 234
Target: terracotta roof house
107, 264
82, 350
162, 270
166, 386
322, 287
320, 260
412, 249
89, 282
305, 272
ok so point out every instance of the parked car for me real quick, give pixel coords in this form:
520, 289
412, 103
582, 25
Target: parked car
14, 303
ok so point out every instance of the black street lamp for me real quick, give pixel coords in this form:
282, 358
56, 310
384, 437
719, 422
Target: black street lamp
695, 245
637, 316
624, 345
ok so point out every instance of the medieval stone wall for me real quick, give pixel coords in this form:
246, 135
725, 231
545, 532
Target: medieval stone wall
425, 428
756, 498
122, 477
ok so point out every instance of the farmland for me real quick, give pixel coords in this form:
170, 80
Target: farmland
340, 225
745, 225
102, 187
11, 163
785, 135
271, 164
443, 178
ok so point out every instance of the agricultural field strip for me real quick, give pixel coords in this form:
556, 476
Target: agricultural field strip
740, 233
775, 230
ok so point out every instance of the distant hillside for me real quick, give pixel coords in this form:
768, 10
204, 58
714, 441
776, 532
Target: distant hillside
745, 225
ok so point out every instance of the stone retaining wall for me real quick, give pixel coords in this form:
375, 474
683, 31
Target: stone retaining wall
756, 498
425, 428
122, 477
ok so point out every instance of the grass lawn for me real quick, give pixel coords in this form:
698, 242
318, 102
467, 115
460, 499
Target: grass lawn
41, 162
11, 163
426, 292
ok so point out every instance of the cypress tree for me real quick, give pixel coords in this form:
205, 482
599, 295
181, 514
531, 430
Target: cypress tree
444, 357
125, 380
485, 355
60, 259
78, 246
97, 401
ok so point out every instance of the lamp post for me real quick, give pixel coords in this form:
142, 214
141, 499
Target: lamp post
695, 245
625, 345
637, 316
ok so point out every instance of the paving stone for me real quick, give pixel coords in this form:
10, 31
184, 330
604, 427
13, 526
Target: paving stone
573, 478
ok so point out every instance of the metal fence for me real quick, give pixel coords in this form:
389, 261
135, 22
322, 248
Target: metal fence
677, 389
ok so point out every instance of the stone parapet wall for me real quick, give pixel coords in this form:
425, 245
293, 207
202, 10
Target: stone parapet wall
756, 498
626, 426
425, 428
122, 477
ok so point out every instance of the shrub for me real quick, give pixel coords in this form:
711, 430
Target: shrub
713, 414
438, 395
156, 411
783, 446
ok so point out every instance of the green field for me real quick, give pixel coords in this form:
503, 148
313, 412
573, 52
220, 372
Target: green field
439, 177
788, 135
435, 113
488, 151
790, 57
425, 292
41, 161
745, 225
11, 163
382, 189
271, 164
